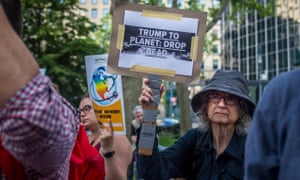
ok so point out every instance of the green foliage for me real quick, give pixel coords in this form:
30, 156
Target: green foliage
195, 5
242, 7
103, 34
166, 139
58, 37
67, 69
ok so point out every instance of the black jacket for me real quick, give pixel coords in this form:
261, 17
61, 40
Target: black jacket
193, 157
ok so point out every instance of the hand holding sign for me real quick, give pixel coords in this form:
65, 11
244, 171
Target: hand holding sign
154, 42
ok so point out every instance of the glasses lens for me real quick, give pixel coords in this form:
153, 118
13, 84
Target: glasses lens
229, 100
214, 98
87, 108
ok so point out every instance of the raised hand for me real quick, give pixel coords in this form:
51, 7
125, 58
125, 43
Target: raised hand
147, 94
107, 138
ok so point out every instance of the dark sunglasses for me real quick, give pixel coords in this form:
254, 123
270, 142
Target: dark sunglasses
86, 109
228, 99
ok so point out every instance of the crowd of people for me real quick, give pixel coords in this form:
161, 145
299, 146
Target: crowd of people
42, 137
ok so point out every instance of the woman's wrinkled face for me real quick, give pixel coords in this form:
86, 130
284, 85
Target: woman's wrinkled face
139, 116
87, 113
223, 108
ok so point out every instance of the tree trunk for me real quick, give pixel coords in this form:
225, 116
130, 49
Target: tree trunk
131, 92
184, 106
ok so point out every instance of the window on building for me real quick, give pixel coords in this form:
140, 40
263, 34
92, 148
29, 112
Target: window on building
82, 1
215, 49
215, 64
94, 13
84, 11
215, 3
180, 3
169, 3
105, 1
94, 1
104, 12
202, 65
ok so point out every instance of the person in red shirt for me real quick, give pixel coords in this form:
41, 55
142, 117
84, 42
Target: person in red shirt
40, 134
115, 149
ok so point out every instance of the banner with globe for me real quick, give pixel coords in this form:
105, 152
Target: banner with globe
105, 90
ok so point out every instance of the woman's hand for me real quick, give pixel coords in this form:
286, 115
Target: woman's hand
107, 138
146, 96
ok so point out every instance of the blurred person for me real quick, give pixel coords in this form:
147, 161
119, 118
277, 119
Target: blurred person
215, 151
28, 104
115, 149
135, 124
272, 145
40, 136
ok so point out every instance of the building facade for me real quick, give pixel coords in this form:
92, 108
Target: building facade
95, 9
262, 47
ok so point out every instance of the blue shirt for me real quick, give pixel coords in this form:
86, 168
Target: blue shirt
195, 146
273, 142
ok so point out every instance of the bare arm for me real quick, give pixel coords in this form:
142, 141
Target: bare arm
133, 139
116, 166
17, 64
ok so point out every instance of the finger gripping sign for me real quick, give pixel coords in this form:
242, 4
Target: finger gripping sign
158, 43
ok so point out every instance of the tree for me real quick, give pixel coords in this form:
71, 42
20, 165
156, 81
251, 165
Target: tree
58, 37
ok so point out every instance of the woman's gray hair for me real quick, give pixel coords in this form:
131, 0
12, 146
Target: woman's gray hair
137, 109
242, 123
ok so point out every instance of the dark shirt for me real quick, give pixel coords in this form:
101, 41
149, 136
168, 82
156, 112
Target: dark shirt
195, 146
132, 130
134, 125
273, 143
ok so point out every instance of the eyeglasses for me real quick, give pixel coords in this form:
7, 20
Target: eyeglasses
86, 109
228, 99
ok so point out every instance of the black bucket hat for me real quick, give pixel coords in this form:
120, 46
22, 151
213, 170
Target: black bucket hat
231, 82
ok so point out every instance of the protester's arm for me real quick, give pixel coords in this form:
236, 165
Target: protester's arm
149, 167
116, 166
272, 145
17, 64
260, 160
37, 126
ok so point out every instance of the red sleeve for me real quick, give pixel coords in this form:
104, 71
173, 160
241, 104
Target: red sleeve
86, 162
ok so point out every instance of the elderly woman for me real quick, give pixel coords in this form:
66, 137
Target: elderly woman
214, 151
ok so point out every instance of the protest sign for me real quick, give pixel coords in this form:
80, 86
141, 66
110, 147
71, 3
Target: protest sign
153, 40
157, 43
105, 90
